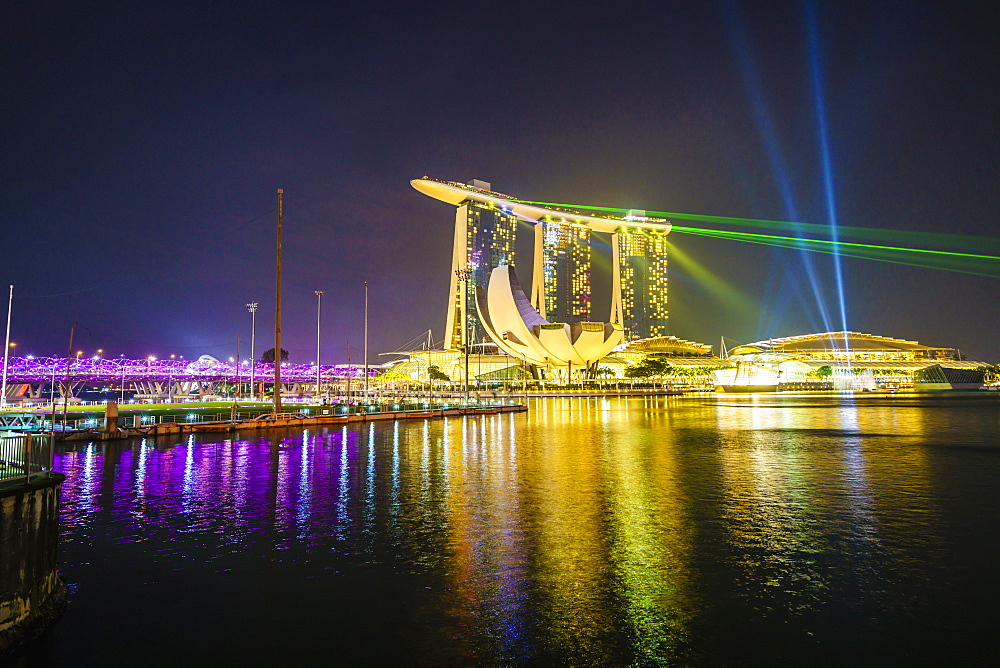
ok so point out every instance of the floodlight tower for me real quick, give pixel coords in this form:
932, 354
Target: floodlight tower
252, 307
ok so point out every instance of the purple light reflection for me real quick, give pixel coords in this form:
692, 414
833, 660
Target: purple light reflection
113, 370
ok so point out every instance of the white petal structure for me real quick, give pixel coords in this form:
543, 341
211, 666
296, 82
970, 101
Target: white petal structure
519, 329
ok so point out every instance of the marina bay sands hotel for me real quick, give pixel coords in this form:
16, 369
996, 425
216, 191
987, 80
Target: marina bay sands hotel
485, 229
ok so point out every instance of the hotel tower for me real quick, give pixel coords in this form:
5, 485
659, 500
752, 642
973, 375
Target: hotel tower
485, 228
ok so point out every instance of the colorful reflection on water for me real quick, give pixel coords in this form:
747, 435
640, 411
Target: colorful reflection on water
642, 531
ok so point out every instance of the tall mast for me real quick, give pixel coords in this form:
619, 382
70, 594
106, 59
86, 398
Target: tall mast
277, 316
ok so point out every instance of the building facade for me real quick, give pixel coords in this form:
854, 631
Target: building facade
640, 296
486, 223
562, 271
484, 239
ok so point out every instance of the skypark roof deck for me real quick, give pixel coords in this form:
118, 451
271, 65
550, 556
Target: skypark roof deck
455, 193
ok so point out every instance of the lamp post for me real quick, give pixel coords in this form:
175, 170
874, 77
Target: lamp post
252, 307
6, 350
466, 346
366, 343
319, 311
464, 275
239, 390
72, 331
52, 391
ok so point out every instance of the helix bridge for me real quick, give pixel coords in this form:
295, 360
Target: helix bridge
34, 377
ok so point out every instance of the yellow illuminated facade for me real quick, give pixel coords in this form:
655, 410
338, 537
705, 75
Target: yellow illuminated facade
641, 274
565, 275
484, 240
485, 227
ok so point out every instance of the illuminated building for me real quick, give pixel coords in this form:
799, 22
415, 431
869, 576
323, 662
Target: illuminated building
846, 361
562, 266
844, 348
524, 333
485, 225
640, 290
484, 239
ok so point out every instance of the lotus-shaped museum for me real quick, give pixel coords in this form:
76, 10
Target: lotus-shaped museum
521, 331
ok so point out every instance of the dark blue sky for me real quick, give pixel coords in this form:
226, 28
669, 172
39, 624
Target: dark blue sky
143, 144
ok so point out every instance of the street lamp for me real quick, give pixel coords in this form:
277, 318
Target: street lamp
464, 275
319, 310
366, 343
6, 350
13, 349
252, 307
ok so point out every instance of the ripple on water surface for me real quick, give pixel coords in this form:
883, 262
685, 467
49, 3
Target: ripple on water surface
590, 531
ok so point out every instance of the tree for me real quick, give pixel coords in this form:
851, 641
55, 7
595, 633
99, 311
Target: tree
651, 366
268, 356
434, 371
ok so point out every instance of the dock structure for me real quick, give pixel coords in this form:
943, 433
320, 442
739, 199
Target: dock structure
277, 421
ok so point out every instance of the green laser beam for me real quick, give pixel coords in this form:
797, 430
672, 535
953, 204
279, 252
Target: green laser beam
749, 235
874, 234
921, 265
876, 253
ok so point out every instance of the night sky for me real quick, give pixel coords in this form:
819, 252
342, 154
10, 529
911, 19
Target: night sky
142, 146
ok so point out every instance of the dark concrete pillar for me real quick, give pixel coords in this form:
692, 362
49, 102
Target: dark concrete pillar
32, 595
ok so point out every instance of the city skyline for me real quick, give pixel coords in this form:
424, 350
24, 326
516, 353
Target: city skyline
143, 150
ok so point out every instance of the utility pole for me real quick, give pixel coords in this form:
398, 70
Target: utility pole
277, 316
319, 310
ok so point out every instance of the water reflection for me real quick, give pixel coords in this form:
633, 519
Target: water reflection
592, 531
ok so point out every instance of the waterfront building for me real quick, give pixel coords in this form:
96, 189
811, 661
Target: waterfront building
564, 280
484, 239
845, 348
485, 225
845, 361
641, 273
521, 331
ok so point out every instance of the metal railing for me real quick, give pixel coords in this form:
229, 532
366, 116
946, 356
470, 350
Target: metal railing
24, 457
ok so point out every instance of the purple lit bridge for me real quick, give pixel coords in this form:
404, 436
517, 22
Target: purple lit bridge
33, 379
